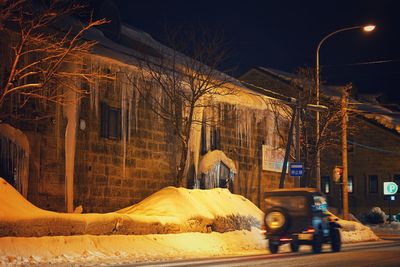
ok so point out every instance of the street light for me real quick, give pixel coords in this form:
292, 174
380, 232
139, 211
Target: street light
366, 28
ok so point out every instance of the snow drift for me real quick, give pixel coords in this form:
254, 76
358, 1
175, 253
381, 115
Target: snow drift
354, 231
170, 210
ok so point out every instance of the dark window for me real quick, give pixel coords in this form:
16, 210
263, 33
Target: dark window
110, 122
296, 205
396, 179
215, 136
350, 184
223, 175
325, 184
373, 184
203, 139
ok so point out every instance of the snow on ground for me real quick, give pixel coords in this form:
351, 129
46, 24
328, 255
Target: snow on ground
120, 249
174, 223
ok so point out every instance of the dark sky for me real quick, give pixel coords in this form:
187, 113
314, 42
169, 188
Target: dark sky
284, 35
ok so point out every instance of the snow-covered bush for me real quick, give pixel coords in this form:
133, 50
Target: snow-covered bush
234, 222
374, 216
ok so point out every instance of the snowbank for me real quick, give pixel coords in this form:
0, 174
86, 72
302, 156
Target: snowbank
352, 231
170, 210
123, 249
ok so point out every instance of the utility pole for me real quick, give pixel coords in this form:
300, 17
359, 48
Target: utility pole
345, 197
297, 181
287, 151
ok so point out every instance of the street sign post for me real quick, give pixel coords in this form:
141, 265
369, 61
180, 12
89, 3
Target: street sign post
389, 191
296, 169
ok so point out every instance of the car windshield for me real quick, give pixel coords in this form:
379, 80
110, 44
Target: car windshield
294, 204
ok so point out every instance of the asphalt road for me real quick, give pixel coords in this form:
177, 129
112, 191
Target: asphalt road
382, 253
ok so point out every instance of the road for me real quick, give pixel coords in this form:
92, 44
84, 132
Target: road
382, 253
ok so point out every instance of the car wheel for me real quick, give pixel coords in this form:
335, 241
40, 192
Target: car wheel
273, 248
317, 243
336, 242
294, 245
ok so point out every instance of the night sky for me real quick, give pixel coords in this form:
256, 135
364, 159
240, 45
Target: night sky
284, 35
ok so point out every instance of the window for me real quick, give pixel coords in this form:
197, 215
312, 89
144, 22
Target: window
214, 139
294, 204
203, 138
211, 141
396, 179
325, 184
218, 176
373, 184
224, 176
110, 122
350, 184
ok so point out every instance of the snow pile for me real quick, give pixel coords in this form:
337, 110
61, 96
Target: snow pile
353, 231
123, 249
170, 210
197, 209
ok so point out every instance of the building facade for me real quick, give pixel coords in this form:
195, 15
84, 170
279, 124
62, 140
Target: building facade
109, 150
373, 148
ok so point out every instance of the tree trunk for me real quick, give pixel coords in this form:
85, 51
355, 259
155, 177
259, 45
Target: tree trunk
183, 168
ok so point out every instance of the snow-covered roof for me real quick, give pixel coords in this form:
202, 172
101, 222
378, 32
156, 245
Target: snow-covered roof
367, 107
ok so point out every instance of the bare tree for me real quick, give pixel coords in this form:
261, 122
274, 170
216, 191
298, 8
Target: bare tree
42, 53
330, 121
182, 81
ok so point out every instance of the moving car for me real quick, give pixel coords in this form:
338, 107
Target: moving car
299, 216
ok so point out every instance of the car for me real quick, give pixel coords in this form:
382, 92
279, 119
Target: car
299, 216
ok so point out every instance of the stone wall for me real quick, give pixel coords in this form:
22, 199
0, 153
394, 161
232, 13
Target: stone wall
251, 181
101, 184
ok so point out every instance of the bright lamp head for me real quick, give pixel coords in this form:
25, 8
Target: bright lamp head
369, 28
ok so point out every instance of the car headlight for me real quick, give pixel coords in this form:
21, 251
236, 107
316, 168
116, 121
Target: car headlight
275, 220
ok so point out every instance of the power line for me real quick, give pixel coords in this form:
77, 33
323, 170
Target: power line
365, 63
373, 148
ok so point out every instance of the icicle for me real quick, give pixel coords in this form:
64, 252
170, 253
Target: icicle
137, 98
94, 86
71, 113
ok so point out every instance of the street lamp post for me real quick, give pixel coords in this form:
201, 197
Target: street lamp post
367, 28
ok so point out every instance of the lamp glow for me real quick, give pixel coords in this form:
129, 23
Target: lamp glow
369, 28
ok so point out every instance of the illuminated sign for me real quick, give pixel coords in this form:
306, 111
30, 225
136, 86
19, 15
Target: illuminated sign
390, 188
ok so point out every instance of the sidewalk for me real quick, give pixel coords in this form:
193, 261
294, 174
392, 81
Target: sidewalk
388, 231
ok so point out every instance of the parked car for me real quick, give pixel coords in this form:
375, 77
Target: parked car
299, 216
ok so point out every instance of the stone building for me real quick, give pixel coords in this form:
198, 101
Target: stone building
109, 150
373, 149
